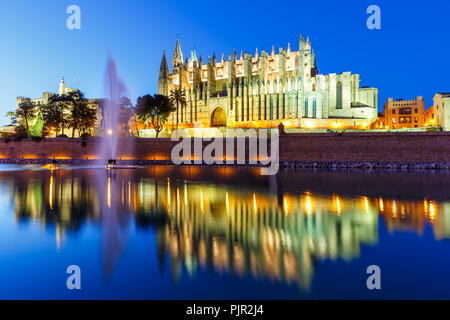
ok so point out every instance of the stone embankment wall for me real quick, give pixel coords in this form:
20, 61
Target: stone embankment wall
426, 149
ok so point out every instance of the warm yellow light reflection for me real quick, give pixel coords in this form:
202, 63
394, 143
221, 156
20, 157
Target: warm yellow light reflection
109, 192
201, 200
50, 192
255, 207
394, 209
308, 205
110, 132
168, 191
227, 203
430, 210
366, 204
338, 205
285, 205
381, 204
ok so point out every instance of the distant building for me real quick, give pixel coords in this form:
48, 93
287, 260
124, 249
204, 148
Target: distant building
439, 113
430, 119
264, 89
63, 89
402, 114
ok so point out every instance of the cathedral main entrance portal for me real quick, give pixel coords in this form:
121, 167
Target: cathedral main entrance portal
219, 118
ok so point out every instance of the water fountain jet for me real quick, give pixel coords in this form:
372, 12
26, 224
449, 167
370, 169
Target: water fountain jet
115, 89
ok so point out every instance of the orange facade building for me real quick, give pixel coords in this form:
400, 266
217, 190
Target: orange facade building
402, 114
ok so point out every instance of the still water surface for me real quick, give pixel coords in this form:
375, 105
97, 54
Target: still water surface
222, 233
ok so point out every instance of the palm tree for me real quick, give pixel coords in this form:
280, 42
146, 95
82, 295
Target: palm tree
78, 108
59, 105
11, 115
178, 97
26, 110
53, 116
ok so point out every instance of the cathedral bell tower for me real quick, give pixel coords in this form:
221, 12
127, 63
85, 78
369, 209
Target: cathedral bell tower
163, 80
179, 68
177, 59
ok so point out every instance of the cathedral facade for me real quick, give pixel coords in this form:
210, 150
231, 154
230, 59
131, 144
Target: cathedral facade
265, 89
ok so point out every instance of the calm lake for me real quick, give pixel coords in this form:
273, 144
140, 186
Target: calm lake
164, 232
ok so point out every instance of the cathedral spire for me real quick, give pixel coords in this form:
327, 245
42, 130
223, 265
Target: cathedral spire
163, 76
273, 50
256, 53
177, 58
214, 59
242, 56
193, 58
289, 48
163, 69
223, 59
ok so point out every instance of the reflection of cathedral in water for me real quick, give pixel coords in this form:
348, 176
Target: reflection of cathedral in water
244, 231
259, 235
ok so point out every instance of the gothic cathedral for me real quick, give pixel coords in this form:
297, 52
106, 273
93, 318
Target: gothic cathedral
264, 90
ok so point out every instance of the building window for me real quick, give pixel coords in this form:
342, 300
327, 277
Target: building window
224, 91
314, 109
393, 111
306, 107
339, 95
271, 108
404, 111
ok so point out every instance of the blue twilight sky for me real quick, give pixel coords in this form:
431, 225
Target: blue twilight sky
408, 57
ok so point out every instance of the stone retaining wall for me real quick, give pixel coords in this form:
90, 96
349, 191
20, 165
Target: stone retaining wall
328, 150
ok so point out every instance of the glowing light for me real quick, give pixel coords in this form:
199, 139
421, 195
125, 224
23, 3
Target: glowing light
309, 124
338, 206
168, 191
432, 212
50, 192
109, 192
338, 124
381, 204
178, 197
308, 205
110, 132
285, 205
201, 200
227, 203
255, 207
366, 204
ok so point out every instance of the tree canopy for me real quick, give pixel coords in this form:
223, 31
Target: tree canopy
154, 109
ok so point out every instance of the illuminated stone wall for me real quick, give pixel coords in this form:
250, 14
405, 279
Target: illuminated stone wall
376, 147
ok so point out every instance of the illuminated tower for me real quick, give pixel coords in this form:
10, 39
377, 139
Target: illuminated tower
163, 80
